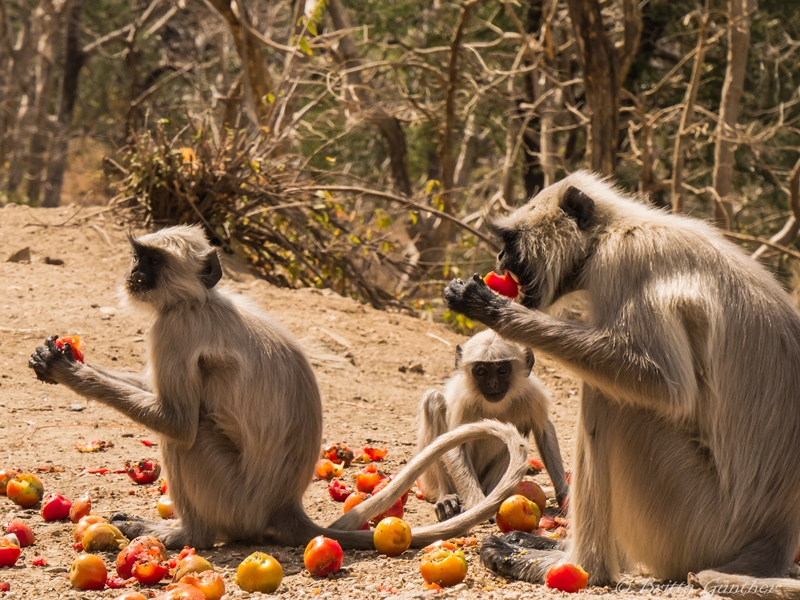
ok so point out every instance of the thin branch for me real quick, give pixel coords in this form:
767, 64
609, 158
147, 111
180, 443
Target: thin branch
400, 200
156, 86
749, 238
788, 234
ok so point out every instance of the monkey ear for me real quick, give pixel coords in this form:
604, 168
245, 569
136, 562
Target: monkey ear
578, 206
530, 360
459, 354
212, 271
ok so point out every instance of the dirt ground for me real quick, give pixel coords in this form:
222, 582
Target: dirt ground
362, 359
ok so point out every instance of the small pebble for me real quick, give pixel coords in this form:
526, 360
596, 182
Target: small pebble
77, 407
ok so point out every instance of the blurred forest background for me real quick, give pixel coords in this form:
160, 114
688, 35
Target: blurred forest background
361, 145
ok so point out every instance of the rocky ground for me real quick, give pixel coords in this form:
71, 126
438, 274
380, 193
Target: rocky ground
67, 283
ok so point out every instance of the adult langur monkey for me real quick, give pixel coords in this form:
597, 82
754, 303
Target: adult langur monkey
493, 381
688, 453
234, 401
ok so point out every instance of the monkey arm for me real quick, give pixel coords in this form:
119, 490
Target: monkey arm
162, 413
136, 380
659, 376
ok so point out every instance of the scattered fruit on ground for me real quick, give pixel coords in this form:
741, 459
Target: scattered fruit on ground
323, 556
80, 508
144, 472
25, 490
567, 578
192, 563
55, 507
103, 537
143, 545
181, 591
532, 491
9, 553
443, 563
368, 478
326, 469
392, 536
82, 525
209, 582
504, 284
22, 531
148, 569
517, 513
165, 508
88, 572
375, 454
130, 595
338, 453
259, 572
6, 475
339, 491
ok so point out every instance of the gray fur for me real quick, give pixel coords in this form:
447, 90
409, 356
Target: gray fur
236, 406
463, 477
687, 451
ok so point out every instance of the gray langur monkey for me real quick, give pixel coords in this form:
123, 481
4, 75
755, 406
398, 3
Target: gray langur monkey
235, 401
688, 455
493, 381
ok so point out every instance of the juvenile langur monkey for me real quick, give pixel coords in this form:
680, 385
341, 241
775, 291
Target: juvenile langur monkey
235, 402
687, 456
493, 381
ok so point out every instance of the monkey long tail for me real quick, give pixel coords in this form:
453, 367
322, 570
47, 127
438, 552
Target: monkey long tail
345, 529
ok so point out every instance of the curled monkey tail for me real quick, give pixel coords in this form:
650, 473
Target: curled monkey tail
300, 529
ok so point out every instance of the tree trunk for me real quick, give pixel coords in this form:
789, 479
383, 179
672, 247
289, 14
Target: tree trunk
73, 62
739, 12
48, 21
258, 82
604, 70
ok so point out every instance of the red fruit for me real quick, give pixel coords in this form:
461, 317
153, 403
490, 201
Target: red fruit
338, 453
532, 491
6, 475
9, 553
339, 491
535, 466
73, 343
376, 454
567, 578
55, 507
22, 531
80, 508
39, 562
149, 570
323, 556
386, 482
354, 500
502, 284
116, 582
5, 587
367, 478
146, 546
144, 472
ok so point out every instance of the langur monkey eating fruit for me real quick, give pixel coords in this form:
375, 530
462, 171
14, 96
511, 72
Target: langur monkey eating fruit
493, 381
238, 411
688, 445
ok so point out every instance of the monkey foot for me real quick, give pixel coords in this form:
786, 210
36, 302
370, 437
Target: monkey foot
448, 507
520, 555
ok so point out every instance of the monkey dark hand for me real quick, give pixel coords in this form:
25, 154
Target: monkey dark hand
51, 364
474, 299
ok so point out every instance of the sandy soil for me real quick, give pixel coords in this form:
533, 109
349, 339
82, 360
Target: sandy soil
357, 353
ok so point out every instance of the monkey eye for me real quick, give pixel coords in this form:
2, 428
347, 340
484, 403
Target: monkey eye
153, 261
479, 372
502, 371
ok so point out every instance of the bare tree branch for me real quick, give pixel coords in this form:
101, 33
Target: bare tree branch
788, 233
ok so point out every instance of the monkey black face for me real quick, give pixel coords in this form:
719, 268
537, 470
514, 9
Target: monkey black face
544, 245
493, 378
146, 265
